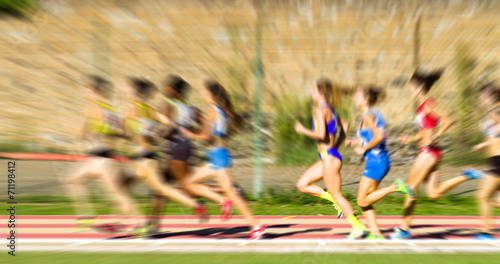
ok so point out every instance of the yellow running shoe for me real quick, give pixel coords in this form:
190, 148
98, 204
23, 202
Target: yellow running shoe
356, 234
374, 237
84, 223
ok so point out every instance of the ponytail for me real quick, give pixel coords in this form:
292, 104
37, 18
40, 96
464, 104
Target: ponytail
222, 99
329, 90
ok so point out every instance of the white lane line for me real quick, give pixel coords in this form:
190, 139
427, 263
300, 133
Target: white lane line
263, 241
266, 249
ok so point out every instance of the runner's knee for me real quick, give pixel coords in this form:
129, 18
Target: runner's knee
362, 203
433, 196
365, 207
301, 186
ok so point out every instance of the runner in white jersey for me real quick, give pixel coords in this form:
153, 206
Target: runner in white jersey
215, 130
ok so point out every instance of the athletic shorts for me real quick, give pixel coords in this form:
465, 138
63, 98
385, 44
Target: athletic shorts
330, 152
219, 158
494, 167
180, 150
435, 151
377, 167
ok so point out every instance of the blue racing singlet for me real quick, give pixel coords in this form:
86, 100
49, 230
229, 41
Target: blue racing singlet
366, 135
377, 158
331, 128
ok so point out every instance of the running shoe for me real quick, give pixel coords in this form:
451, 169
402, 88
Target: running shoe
201, 212
400, 234
153, 230
83, 223
402, 187
141, 231
257, 232
472, 174
484, 236
356, 234
374, 237
339, 211
226, 209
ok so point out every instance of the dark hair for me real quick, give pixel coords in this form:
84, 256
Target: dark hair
427, 79
329, 90
99, 84
373, 93
496, 110
496, 94
177, 83
491, 89
142, 86
222, 99
488, 88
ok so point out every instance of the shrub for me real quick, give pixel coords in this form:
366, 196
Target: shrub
17, 7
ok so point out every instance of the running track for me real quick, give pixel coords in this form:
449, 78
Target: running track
284, 234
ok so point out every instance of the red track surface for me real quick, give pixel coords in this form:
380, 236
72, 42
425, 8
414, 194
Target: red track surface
279, 227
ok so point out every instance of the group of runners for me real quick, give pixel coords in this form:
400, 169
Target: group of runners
179, 124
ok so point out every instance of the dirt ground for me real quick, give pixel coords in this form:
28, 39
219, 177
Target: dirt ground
44, 177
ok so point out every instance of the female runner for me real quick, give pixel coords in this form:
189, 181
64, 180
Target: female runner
141, 121
101, 127
371, 132
490, 98
325, 126
216, 130
433, 123
181, 114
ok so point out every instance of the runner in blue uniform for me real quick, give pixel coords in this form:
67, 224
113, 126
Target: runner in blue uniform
372, 145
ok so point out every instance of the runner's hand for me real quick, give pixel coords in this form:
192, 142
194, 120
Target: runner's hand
350, 142
299, 128
359, 151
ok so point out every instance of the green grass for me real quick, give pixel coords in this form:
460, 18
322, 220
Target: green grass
277, 203
277, 258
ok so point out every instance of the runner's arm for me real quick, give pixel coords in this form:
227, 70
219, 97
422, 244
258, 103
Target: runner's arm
378, 135
319, 134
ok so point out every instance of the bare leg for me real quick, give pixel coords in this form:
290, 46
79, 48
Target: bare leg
148, 172
311, 175
366, 188
77, 181
436, 189
489, 186
376, 195
424, 164
117, 191
331, 177
157, 205
178, 169
195, 187
225, 182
